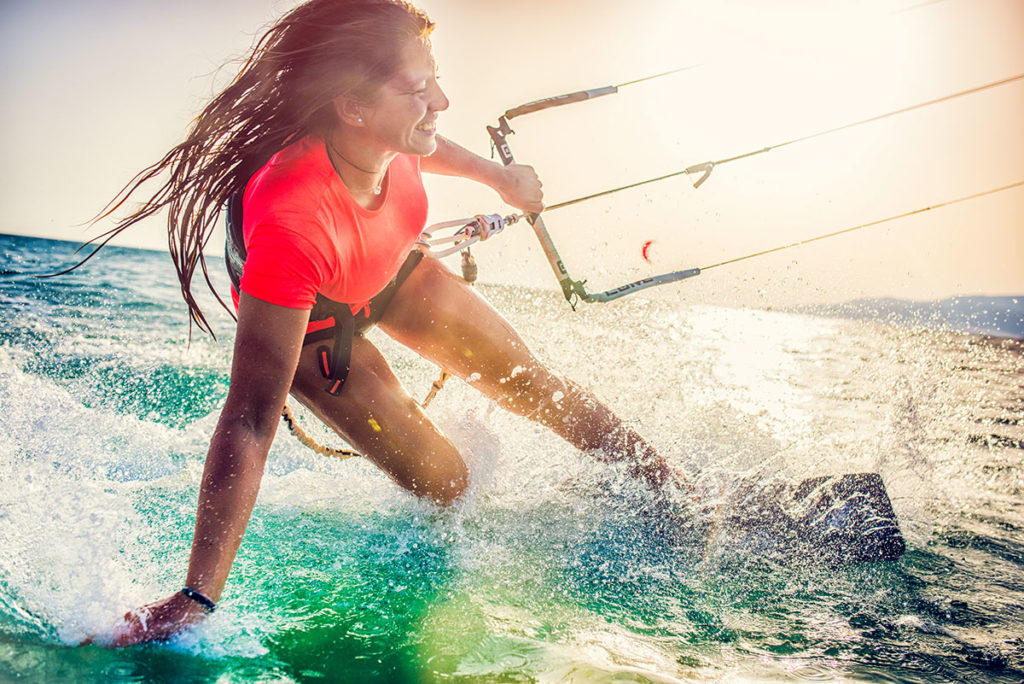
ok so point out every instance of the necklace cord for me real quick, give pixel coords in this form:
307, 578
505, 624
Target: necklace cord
376, 188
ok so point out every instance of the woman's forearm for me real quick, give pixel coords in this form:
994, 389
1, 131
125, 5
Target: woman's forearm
231, 481
267, 347
518, 185
450, 159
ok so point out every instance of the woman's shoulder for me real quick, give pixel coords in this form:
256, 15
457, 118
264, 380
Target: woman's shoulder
293, 178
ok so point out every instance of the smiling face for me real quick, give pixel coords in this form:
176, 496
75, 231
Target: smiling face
403, 116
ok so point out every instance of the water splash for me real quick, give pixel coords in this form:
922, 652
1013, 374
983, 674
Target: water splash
555, 566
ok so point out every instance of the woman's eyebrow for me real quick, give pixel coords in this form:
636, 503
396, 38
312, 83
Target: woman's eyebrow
416, 79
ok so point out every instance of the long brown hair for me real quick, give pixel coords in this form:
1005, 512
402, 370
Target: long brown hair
284, 91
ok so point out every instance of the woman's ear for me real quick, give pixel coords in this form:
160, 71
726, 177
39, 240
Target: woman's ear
349, 111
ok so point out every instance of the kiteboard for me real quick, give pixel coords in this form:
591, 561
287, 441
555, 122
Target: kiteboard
833, 520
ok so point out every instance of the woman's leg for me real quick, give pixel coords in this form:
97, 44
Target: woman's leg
438, 315
375, 414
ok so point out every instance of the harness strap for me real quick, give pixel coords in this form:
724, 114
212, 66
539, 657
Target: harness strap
335, 362
234, 244
342, 326
335, 365
380, 303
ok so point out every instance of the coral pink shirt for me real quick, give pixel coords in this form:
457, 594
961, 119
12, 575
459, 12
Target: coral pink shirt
305, 234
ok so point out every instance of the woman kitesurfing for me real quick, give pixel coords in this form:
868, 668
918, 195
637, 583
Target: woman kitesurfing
317, 148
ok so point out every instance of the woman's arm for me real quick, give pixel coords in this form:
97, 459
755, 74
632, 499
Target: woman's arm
267, 348
518, 185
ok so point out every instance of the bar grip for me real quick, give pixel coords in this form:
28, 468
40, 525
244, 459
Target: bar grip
559, 100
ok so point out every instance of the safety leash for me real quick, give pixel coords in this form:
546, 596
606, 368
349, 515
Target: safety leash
306, 440
470, 231
469, 274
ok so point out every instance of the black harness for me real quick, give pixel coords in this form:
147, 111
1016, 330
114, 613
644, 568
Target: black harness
334, 362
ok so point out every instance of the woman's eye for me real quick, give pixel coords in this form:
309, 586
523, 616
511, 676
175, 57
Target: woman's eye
426, 86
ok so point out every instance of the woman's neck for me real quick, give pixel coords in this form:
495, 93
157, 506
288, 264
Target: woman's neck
361, 168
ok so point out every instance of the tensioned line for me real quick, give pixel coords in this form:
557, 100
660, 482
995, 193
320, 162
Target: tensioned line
706, 167
867, 225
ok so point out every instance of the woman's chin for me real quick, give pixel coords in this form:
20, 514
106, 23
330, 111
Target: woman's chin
424, 143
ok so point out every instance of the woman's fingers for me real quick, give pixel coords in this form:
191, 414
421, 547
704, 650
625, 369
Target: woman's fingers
522, 188
154, 622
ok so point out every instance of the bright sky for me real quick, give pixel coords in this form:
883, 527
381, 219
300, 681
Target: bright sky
95, 90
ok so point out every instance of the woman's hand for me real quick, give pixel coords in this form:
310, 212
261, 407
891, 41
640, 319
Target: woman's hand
520, 187
153, 622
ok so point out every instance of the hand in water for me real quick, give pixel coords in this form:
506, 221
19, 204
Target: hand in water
157, 621
521, 188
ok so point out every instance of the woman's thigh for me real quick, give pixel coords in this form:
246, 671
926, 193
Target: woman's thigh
375, 414
437, 314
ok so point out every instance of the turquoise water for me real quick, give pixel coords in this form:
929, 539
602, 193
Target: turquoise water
549, 570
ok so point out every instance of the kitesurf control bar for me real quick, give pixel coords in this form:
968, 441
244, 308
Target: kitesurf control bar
559, 100
573, 290
579, 96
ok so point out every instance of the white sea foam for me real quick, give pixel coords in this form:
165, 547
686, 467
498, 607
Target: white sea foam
549, 566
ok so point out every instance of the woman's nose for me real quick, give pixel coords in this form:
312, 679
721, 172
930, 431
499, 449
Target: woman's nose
440, 101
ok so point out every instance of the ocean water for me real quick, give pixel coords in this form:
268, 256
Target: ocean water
548, 571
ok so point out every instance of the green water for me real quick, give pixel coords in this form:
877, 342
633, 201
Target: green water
553, 568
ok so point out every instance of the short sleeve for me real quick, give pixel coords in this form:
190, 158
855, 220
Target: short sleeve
282, 267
